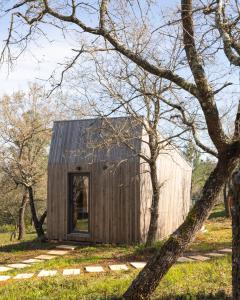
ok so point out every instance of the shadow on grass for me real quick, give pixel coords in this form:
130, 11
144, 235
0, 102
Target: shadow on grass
217, 214
221, 295
25, 246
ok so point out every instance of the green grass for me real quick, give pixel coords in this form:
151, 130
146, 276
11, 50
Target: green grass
199, 280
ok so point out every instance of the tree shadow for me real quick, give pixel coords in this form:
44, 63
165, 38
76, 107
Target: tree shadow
26, 246
217, 214
221, 295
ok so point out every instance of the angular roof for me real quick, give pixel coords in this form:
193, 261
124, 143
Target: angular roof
91, 140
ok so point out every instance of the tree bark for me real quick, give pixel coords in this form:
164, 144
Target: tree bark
43, 217
153, 226
147, 280
236, 237
227, 200
37, 224
21, 215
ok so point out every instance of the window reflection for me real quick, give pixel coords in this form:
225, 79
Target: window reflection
79, 202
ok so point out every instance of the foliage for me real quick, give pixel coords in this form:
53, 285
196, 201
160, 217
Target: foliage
202, 167
24, 137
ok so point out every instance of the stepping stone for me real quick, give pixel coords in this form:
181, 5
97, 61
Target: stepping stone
47, 273
32, 261
93, 269
66, 247
4, 269
19, 266
23, 276
199, 257
118, 267
70, 272
45, 257
58, 252
226, 250
4, 278
138, 265
184, 259
214, 254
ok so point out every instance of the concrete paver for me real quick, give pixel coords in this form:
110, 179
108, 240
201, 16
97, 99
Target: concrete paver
71, 272
138, 265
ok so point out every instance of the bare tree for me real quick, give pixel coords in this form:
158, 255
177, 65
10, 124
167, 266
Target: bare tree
204, 28
133, 92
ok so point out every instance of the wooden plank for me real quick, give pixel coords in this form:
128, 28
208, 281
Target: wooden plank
119, 207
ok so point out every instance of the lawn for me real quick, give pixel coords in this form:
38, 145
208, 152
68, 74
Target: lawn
198, 280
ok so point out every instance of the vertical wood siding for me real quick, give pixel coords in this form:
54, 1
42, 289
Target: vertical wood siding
120, 195
113, 199
174, 175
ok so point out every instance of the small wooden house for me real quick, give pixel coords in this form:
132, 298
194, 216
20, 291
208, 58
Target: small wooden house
100, 190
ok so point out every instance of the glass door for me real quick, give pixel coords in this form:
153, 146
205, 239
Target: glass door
79, 187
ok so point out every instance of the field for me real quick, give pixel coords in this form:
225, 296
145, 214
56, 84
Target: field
197, 280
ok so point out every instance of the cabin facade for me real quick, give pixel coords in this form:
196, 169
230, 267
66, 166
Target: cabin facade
100, 190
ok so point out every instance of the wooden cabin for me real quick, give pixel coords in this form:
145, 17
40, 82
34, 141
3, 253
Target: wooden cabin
99, 189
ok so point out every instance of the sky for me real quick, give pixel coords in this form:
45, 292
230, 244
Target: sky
34, 65
38, 61
41, 58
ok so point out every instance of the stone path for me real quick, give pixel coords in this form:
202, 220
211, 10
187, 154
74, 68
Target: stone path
47, 273
19, 266
94, 269
118, 267
71, 272
138, 265
199, 257
184, 259
65, 249
24, 276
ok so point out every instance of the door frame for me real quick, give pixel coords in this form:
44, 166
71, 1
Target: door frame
79, 234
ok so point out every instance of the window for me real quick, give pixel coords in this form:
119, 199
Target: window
79, 203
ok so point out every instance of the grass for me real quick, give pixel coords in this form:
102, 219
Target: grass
198, 280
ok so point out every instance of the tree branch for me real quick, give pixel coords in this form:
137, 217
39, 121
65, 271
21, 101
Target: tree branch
205, 92
227, 40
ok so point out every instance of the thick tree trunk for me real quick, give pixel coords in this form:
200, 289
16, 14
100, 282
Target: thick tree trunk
153, 226
38, 225
148, 279
236, 238
227, 200
21, 215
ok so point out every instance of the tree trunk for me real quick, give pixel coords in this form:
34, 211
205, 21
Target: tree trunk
236, 237
227, 200
43, 217
148, 279
21, 215
37, 224
153, 227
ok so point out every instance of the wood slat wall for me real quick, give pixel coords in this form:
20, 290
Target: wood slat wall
120, 195
111, 203
174, 174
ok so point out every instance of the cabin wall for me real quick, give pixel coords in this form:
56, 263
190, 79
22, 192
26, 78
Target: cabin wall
114, 202
120, 185
174, 175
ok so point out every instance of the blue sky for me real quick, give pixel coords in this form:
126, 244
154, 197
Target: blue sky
44, 56
36, 63
40, 59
